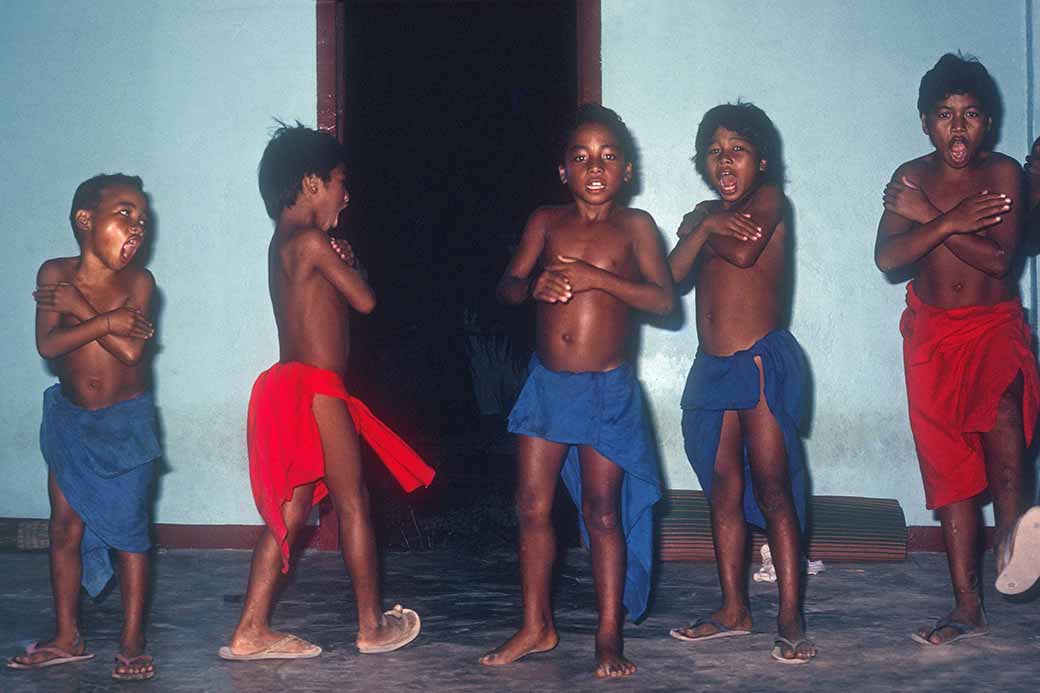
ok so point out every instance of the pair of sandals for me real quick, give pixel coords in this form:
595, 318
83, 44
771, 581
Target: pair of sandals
58, 656
724, 631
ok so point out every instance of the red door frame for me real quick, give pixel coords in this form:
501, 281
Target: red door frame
331, 16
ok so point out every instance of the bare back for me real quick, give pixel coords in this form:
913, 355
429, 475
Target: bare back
312, 316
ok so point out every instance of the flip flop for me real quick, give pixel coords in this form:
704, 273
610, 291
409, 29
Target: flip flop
139, 660
964, 631
411, 629
778, 652
1019, 563
60, 657
273, 651
721, 631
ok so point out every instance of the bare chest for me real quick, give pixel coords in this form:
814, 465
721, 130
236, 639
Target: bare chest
605, 247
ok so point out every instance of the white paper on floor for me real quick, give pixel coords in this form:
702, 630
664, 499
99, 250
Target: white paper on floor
767, 572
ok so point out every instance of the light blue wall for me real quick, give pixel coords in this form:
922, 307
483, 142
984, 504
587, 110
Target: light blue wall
181, 92
840, 81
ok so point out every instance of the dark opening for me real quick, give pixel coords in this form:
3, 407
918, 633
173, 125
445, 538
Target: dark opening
453, 112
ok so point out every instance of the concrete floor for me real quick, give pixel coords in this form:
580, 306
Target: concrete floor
859, 614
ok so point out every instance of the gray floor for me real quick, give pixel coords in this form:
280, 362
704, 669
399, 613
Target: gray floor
859, 614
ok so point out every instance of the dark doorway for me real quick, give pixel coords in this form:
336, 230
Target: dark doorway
451, 115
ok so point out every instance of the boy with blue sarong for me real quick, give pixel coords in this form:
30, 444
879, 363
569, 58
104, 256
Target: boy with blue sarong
743, 398
99, 427
588, 264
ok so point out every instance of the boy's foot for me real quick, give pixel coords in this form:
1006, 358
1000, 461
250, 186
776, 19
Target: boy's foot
268, 645
50, 654
610, 663
1018, 555
712, 627
791, 646
136, 668
399, 627
958, 625
527, 641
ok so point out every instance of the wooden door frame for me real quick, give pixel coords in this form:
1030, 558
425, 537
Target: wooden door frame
331, 25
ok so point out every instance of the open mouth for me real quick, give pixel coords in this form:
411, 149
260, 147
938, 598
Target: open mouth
129, 249
727, 182
595, 186
959, 150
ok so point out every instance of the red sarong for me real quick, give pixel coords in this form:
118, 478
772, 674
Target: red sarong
959, 362
285, 446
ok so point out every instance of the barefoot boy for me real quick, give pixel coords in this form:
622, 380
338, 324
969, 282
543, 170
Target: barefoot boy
953, 217
588, 264
303, 426
743, 396
99, 428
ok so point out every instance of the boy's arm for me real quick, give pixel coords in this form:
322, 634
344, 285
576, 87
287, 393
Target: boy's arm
740, 237
517, 283
902, 241
344, 277
653, 294
691, 235
992, 249
121, 331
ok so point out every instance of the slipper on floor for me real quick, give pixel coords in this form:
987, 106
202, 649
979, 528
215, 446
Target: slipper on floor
410, 630
778, 652
1019, 565
275, 650
139, 660
964, 631
60, 657
721, 631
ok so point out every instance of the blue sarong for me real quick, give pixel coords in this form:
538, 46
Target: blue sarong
103, 461
603, 410
720, 383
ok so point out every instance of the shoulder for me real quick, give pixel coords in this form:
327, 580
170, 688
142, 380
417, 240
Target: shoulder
543, 219
636, 219
912, 167
141, 279
1003, 166
55, 269
307, 243
769, 194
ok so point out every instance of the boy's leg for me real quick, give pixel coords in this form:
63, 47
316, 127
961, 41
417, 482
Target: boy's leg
1004, 446
961, 528
253, 632
601, 510
346, 481
538, 468
729, 532
133, 587
66, 534
767, 457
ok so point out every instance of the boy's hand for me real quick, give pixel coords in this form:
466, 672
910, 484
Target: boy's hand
551, 287
579, 275
738, 225
693, 219
344, 250
128, 321
977, 212
1032, 165
62, 297
906, 199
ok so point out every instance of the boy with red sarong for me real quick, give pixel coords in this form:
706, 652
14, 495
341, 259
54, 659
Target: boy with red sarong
303, 426
954, 217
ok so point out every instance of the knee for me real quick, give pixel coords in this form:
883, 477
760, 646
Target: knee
532, 508
65, 530
600, 514
773, 494
352, 503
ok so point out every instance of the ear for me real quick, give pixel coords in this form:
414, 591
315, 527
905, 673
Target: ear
924, 125
763, 165
84, 219
311, 184
563, 174
628, 171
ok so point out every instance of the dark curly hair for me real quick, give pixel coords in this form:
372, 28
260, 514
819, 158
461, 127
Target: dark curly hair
294, 152
608, 118
750, 122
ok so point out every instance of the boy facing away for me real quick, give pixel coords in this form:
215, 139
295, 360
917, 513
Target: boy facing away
588, 264
98, 434
743, 397
953, 216
303, 426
